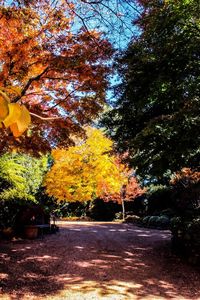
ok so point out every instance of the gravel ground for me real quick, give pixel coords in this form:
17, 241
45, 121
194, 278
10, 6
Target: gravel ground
96, 261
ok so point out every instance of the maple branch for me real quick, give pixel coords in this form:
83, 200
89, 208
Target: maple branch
29, 83
45, 118
62, 100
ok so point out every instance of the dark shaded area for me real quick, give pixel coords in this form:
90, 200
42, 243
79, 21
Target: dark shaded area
101, 254
100, 210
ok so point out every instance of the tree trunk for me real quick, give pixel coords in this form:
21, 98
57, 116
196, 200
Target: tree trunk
123, 209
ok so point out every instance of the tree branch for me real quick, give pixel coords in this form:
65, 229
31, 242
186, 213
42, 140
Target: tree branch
62, 100
45, 118
28, 85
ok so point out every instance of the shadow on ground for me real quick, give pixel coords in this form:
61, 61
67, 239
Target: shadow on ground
106, 259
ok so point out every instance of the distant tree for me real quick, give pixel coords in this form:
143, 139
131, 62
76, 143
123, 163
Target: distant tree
85, 171
156, 118
129, 192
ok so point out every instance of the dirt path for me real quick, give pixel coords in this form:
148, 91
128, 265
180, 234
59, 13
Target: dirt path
96, 261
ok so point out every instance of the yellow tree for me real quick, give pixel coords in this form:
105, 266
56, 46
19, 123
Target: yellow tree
85, 171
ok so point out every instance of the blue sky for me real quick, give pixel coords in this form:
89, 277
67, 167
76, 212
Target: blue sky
114, 18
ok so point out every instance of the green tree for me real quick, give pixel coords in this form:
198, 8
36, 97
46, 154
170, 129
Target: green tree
156, 118
21, 176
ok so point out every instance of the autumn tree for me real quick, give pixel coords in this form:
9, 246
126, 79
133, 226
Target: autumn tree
58, 74
85, 171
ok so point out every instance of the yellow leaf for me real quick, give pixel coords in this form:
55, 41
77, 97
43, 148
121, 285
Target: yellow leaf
14, 114
22, 122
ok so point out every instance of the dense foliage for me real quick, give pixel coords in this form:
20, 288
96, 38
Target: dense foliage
85, 171
21, 176
21, 196
58, 73
156, 118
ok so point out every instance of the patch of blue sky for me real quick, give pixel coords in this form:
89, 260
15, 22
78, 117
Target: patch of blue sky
114, 18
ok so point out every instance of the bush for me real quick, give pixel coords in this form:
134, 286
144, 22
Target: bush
145, 220
132, 219
159, 200
158, 222
164, 222
186, 238
153, 221
119, 216
8, 213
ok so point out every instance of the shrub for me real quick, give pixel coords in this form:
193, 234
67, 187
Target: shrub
119, 216
158, 222
132, 219
186, 238
153, 220
145, 220
164, 222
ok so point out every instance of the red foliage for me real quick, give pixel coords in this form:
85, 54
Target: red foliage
186, 178
58, 74
132, 191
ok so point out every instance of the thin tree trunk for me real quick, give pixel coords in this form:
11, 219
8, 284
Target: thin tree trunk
123, 209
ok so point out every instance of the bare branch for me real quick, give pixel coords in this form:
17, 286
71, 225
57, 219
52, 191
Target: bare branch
45, 118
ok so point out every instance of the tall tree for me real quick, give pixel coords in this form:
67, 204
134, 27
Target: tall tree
156, 118
58, 74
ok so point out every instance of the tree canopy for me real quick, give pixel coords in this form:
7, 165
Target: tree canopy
156, 118
86, 171
59, 75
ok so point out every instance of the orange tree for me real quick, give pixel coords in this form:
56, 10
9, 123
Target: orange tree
50, 71
86, 171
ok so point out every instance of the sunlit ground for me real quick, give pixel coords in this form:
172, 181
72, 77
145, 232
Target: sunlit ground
105, 261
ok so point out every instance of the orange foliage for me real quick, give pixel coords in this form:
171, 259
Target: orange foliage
132, 191
186, 177
54, 72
